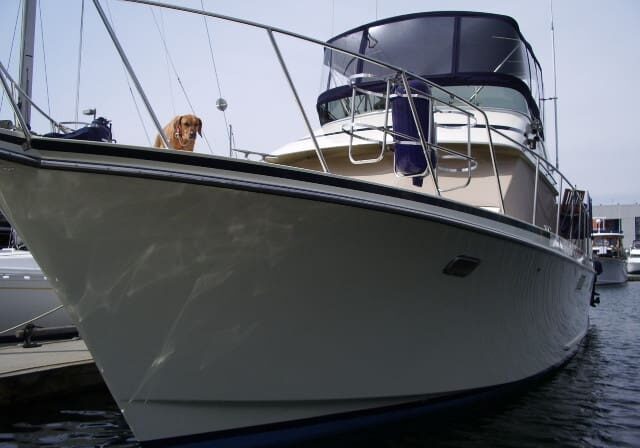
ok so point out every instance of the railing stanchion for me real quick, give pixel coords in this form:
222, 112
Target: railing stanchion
16, 109
127, 65
535, 191
323, 162
559, 206
416, 119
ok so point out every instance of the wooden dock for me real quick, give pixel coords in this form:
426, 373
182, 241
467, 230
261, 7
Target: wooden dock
53, 368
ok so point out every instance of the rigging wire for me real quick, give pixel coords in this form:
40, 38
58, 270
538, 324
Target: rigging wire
79, 60
126, 77
13, 40
171, 94
175, 71
215, 69
44, 56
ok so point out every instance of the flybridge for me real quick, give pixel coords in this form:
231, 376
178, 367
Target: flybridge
450, 48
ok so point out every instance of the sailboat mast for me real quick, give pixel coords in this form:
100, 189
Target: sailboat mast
26, 57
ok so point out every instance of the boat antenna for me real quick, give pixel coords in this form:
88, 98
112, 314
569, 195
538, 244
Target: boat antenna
555, 85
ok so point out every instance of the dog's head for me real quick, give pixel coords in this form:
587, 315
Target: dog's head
185, 127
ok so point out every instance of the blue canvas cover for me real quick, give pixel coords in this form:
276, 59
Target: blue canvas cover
98, 131
409, 154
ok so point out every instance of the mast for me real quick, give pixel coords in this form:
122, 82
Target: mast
26, 57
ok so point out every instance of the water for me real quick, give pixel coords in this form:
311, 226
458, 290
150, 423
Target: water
594, 401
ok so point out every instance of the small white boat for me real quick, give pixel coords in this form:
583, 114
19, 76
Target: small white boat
415, 249
608, 247
633, 260
25, 294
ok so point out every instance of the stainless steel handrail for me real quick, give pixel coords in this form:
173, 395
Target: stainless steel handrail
404, 75
353, 127
353, 124
547, 166
362, 57
323, 162
14, 105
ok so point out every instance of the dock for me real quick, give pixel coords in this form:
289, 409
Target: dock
53, 368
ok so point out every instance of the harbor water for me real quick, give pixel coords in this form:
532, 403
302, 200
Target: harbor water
593, 401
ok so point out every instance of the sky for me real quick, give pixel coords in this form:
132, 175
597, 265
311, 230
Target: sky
597, 62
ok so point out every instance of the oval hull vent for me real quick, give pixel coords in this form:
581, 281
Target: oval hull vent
461, 266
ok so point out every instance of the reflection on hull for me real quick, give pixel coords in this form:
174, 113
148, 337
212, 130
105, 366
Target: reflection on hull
266, 334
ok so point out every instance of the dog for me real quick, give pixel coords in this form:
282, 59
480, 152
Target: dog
181, 133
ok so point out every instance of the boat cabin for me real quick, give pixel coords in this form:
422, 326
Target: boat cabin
476, 90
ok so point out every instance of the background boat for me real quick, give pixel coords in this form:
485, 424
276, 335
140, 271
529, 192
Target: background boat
608, 246
633, 260
26, 297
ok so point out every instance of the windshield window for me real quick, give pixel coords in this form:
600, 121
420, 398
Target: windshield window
414, 44
448, 48
492, 46
484, 96
339, 109
487, 96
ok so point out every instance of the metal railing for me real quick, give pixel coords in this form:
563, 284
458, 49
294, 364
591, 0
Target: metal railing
467, 108
353, 128
271, 31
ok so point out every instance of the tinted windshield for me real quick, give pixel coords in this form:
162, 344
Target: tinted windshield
483, 96
444, 46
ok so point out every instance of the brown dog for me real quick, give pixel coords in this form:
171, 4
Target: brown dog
181, 133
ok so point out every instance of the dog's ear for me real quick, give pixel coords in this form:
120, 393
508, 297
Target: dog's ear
200, 127
175, 124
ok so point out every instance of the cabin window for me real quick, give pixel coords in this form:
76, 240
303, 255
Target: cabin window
487, 96
339, 109
488, 45
429, 50
449, 49
483, 96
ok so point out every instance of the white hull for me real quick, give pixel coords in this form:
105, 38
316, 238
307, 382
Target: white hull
614, 271
283, 295
25, 293
220, 296
633, 263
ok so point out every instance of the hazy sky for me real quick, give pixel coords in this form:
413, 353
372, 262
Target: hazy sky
596, 52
